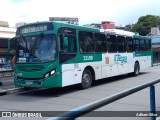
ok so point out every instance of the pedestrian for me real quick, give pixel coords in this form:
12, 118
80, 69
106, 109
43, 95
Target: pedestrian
13, 61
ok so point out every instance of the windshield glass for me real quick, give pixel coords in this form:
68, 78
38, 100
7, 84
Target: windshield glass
35, 49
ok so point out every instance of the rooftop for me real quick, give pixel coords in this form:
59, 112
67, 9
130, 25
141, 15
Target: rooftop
6, 32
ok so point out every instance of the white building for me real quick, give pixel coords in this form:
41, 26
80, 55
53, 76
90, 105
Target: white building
155, 32
5, 56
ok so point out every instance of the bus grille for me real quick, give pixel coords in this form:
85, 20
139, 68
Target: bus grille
30, 70
29, 78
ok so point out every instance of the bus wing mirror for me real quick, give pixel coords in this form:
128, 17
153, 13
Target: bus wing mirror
9, 46
59, 45
65, 41
65, 44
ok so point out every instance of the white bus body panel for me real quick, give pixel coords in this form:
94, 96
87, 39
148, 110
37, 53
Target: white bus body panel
72, 73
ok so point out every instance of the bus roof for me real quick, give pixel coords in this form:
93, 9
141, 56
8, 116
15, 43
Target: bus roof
118, 32
76, 26
64, 25
141, 37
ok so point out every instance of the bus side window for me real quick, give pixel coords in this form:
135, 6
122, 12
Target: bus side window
72, 44
65, 44
68, 44
148, 44
67, 40
136, 44
86, 41
112, 43
100, 41
121, 44
129, 45
142, 45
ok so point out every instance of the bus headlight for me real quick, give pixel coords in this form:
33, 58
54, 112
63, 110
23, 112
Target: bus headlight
47, 75
52, 72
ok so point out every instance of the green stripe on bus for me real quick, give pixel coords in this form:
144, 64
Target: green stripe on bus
82, 58
139, 54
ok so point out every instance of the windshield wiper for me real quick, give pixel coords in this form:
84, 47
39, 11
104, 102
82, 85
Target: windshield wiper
21, 40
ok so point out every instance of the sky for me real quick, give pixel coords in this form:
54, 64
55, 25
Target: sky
121, 12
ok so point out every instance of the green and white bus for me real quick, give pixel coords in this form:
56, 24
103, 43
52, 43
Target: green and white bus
54, 54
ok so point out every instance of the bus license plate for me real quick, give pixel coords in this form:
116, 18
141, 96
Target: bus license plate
28, 82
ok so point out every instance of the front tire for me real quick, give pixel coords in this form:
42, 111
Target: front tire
86, 79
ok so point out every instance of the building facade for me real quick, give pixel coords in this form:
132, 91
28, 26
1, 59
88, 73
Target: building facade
94, 25
5, 57
70, 20
108, 25
155, 34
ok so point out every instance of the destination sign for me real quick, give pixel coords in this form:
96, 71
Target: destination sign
35, 28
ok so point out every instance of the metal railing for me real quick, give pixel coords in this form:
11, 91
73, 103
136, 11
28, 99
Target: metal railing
82, 110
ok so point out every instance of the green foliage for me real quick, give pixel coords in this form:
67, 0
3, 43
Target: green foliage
144, 24
128, 27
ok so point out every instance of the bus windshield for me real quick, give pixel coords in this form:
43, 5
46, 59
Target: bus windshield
36, 49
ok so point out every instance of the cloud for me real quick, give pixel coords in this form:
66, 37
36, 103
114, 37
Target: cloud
19, 1
119, 11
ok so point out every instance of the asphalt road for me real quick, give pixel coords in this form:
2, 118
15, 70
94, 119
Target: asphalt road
64, 99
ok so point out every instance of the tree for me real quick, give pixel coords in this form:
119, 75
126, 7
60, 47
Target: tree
144, 24
128, 27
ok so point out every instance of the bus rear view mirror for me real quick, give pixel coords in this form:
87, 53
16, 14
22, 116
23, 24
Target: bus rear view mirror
11, 46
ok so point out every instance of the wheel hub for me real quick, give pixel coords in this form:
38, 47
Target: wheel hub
86, 78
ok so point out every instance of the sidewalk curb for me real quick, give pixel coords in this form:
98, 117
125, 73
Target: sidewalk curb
156, 64
10, 91
6, 82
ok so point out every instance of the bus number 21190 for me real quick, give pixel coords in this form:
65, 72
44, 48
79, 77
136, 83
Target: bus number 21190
85, 58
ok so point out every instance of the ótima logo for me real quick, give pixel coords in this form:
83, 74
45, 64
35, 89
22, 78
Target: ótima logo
119, 58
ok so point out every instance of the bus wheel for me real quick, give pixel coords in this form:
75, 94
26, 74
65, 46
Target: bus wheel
136, 69
86, 79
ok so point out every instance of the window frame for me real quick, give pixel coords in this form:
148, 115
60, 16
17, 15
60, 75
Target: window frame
127, 37
141, 48
109, 44
124, 42
100, 34
149, 44
61, 32
134, 43
92, 38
